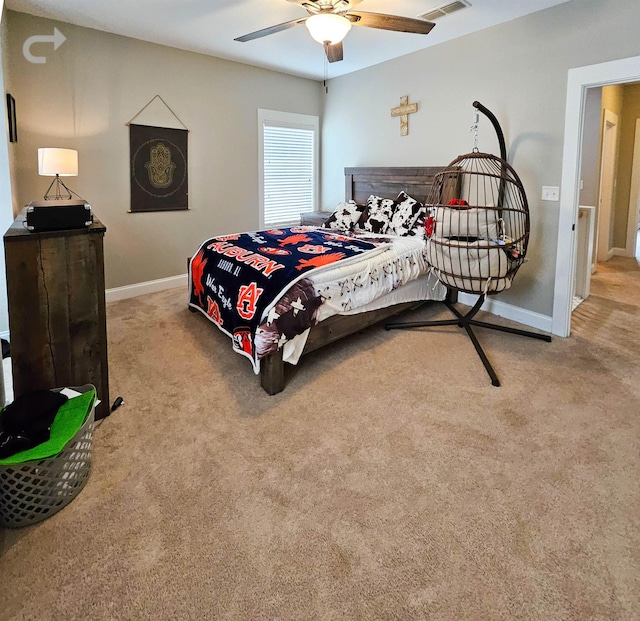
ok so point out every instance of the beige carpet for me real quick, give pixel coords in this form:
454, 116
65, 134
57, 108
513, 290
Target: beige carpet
389, 481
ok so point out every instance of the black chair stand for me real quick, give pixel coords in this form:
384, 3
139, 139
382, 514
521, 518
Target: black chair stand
466, 321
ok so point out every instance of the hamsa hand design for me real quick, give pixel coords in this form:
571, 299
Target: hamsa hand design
160, 167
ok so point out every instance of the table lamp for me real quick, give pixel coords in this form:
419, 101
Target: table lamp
58, 163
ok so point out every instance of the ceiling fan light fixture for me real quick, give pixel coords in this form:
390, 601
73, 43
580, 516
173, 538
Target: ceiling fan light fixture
328, 27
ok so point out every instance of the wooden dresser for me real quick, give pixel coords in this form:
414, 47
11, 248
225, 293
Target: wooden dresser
57, 318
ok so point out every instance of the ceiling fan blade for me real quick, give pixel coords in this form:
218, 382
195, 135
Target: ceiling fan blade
338, 5
334, 52
390, 22
271, 30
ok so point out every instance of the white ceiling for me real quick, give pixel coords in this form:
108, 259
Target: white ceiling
209, 27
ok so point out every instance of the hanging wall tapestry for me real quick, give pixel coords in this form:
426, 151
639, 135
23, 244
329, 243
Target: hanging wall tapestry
159, 170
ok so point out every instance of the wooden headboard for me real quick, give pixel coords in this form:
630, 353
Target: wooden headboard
416, 181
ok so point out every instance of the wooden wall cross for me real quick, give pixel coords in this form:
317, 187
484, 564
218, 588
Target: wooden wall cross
403, 111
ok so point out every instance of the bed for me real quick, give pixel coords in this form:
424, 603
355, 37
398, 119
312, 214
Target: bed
315, 299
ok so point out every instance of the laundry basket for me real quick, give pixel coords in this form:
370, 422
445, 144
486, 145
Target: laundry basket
32, 491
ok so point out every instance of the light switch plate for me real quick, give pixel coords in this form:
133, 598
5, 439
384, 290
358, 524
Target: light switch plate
550, 193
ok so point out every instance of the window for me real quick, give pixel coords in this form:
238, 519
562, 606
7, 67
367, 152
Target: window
288, 166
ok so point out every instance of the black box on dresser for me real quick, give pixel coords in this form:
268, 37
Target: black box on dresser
58, 215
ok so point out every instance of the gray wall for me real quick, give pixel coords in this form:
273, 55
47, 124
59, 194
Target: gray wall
6, 212
519, 71
95, 82
87, 91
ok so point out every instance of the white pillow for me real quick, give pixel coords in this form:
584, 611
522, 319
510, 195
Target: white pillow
474, 222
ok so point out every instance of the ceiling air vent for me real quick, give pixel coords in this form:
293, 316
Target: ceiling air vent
445, 9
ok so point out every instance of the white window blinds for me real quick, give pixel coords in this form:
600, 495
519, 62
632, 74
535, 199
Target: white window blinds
289, 171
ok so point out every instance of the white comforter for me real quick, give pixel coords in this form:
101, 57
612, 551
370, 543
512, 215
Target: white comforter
398, 274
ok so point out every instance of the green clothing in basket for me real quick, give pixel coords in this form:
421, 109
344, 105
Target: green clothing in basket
70, 417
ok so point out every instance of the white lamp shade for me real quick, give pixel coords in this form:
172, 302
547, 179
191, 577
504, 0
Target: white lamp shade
52, 162
328, 27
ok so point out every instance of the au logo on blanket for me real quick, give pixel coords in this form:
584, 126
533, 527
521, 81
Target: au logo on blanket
213, 310
247, 300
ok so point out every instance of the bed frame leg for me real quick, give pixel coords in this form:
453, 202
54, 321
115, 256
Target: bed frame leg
272, 373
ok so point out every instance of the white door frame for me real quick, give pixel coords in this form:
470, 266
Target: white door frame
634, 196
606, 193
579, 80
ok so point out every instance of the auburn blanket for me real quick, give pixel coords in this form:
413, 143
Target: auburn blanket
236, 280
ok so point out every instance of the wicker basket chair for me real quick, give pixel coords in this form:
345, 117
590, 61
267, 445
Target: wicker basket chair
476, 242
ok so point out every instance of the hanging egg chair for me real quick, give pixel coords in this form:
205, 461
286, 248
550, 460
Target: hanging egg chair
477, 241
477, 235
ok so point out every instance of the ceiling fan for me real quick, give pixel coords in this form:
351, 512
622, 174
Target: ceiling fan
329, 21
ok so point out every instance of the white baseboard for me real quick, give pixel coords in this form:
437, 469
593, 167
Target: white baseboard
501, 309
619, 252
142, 288
515, 313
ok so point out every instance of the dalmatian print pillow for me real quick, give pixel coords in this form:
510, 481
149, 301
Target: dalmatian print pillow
345, 217
379, 213
406, 215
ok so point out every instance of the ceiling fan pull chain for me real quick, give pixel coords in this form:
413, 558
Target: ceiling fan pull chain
325, 71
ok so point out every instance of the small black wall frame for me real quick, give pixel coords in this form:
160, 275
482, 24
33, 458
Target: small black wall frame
11, 118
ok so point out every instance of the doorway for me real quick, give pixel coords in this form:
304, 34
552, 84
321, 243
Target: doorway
579, 80
609, 180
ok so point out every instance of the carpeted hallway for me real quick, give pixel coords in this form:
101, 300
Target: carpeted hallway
389, 480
